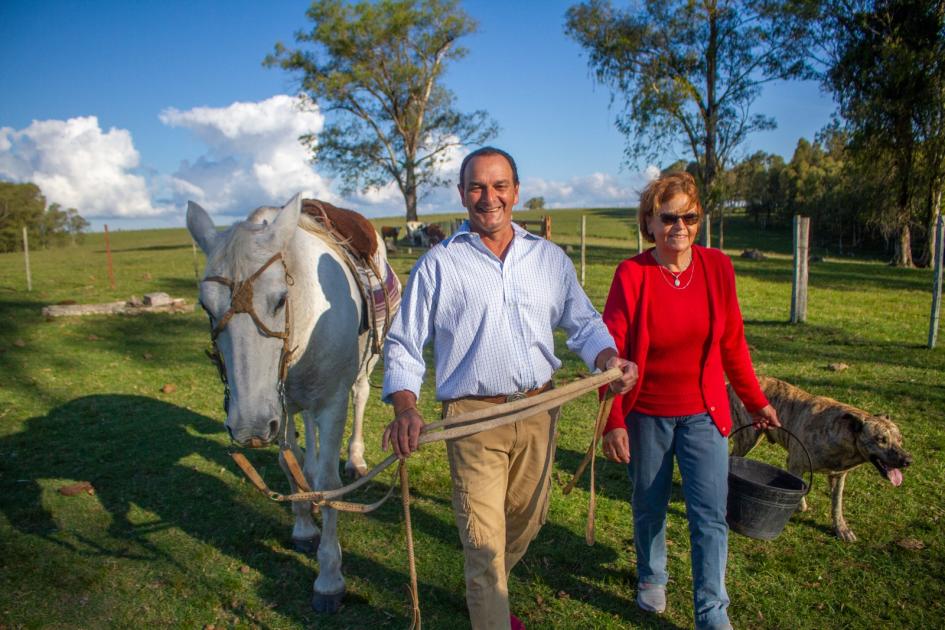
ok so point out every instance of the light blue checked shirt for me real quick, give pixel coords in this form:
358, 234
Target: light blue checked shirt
491, 321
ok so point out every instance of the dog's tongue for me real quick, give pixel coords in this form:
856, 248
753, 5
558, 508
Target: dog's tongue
895, 476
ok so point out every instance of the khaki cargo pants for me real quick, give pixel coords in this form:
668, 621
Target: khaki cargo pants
501, 479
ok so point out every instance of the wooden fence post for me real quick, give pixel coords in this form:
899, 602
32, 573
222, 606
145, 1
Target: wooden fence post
583, 246
546, 227
707, 234
108, 256
639, 237
193, 245
801, 250
937, 282
26, 257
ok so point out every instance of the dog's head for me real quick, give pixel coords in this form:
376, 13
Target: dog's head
880, 442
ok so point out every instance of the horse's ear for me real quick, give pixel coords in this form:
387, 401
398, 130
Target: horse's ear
287, 220
201, 227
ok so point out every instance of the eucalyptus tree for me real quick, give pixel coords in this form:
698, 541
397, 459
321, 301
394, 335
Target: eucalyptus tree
885, 63
689, 71
375, 70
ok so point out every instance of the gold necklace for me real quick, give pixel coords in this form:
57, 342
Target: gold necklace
675, 275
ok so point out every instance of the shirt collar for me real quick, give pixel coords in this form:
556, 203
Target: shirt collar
464, 233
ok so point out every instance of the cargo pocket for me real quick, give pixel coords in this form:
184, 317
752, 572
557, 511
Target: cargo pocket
470, 530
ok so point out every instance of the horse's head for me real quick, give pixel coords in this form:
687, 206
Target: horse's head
245, 291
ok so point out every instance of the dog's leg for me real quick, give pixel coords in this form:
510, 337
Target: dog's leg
836, 495
797, 465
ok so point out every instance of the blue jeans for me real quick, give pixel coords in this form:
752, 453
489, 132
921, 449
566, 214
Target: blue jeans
702, 454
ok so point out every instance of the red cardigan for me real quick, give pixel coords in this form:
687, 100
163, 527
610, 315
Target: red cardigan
626, 317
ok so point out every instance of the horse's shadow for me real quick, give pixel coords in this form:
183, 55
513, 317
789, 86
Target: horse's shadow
156, 467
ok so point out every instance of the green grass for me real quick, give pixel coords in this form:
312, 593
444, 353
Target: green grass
173, 535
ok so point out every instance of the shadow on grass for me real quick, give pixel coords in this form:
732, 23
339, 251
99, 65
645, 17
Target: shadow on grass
133, 450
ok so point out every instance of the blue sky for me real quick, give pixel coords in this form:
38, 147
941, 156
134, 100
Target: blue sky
125, 110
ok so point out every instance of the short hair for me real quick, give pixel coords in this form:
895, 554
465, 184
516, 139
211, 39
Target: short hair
486, 151
662, 189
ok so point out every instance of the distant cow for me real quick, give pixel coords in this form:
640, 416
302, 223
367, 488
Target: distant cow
415, 233
389, 233
434, 234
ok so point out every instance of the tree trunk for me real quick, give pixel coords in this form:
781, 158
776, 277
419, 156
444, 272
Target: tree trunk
711, 159
904, 247
410, 193
934, 202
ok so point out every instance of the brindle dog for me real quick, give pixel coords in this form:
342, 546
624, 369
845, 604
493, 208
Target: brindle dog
838, 437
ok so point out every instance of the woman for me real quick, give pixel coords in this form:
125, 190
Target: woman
673, 311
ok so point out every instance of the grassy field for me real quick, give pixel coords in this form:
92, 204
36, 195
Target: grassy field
173, 536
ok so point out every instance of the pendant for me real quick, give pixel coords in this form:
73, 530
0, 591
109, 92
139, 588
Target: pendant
676, 282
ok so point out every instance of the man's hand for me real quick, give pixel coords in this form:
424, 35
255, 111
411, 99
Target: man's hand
617, 446
607, 359
764, 418
403, 433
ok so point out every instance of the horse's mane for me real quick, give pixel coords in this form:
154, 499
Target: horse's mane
240, 250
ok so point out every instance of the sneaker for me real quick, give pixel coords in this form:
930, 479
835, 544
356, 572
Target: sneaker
651, 597
516, 623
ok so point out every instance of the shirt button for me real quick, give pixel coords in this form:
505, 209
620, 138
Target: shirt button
712, 408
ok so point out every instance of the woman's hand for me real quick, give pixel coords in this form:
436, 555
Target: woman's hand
629, 377
608, 359
764, 418
617, 446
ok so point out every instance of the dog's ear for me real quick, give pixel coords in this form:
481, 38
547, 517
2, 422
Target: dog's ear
854, 421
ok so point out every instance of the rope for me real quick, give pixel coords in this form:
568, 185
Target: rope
471, 423
454, 427
411, 562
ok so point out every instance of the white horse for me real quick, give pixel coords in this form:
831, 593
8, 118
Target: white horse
286, 312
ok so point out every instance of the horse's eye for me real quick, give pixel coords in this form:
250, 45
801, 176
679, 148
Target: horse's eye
280, 304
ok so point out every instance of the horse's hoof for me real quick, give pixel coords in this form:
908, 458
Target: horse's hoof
327, 603
306, 545
355, 471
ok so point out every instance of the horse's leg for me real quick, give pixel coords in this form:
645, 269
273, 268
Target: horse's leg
329, 587
305, 534
360, 391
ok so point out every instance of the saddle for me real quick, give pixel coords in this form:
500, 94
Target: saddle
346, 226
380, 287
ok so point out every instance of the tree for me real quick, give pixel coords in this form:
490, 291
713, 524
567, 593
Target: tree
885, 63
75, 225
53, 226
535, 203
690, 71
374, 69
21, 205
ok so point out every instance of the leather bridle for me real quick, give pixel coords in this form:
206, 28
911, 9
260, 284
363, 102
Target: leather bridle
241, 301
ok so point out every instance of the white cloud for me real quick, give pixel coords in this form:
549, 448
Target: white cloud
253, 156
587, 191
77, 165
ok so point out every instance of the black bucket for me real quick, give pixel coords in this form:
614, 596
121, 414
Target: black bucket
761, 497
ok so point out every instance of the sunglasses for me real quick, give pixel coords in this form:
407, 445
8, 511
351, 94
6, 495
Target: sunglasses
690, 218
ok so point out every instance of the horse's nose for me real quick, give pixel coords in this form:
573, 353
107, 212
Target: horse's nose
273, 429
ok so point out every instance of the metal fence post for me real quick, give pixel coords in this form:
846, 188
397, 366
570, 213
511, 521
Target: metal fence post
937, 282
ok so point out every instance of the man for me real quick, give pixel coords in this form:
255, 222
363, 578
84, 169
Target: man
490, 297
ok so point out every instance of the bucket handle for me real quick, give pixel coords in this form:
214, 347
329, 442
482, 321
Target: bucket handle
810, 462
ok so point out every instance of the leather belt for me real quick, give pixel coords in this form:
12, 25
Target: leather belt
504, 398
